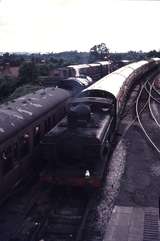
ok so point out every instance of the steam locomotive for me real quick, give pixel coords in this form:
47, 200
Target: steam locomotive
76, 150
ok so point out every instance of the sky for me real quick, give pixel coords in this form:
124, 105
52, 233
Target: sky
64, 25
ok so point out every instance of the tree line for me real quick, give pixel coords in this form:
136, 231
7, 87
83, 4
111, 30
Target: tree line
33, 66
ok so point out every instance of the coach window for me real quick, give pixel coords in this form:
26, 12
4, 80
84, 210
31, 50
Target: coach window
15, 150
48, 124
24, 149
15, 154
7, 162
70, 72
53, 120
61, 112
37, 135
65, 73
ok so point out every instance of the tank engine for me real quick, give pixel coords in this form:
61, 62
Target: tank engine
79, 143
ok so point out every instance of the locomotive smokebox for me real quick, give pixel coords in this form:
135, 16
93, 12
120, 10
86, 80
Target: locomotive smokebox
79, 115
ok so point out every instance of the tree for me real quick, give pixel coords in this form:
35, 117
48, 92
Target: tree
153, 54
28, 73
7, 86
99, 52
6, 57
43, 69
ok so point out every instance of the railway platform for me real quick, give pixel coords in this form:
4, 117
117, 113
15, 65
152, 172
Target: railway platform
133, 224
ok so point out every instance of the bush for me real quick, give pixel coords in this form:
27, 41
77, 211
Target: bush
28, 73
7, 86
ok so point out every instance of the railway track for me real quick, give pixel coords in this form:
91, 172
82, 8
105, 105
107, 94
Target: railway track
149, 102
46, 214
145, 107
140, 128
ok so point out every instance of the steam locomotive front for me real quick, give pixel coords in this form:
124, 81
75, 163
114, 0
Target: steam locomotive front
77, 146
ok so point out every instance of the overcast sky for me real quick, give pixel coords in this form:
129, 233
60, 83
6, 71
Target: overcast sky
59, 25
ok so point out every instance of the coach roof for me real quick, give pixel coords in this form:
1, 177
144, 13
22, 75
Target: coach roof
113, 82
17, 114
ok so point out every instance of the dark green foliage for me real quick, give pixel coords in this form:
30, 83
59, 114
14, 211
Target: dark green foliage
72, 57
57, 63
7, 86
99, 52
43, 69
131, 55
153, 54
28, 73
6, 57
12, 59
34, 68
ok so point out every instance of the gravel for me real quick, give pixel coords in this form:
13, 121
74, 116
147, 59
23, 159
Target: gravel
104, 203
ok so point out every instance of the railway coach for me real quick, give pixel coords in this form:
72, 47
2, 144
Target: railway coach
23, 122
77, 149
95, 70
